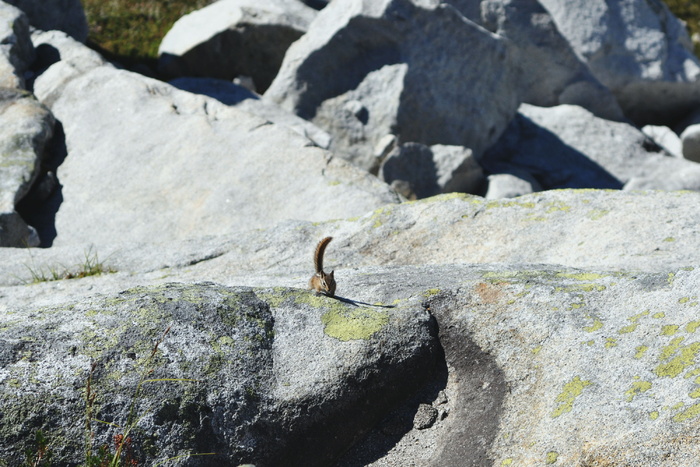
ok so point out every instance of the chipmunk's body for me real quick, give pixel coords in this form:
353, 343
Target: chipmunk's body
322, 282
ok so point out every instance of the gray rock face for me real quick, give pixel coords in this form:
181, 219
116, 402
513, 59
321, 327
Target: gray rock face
431, 170
690, 140
638, 49
232, 94
16, 51
567, 147
260, 375
60, 58
510, 185
466, 71
137, 174
519, 329
234, 37
532, 352
26, 129
666, 138
551, 72
64, 15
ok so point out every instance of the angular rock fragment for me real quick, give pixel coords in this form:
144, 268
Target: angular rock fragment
417, 70
234, 37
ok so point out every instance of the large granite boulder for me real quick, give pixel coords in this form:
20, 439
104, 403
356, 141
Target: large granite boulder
164, 164
551, 72
245, 375
417, 70
59, 59
568, 147
636, 48
229, 38
27, 127
16, 51
426, 171
238, 96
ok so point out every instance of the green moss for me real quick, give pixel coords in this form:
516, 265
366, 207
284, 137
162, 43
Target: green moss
567, 397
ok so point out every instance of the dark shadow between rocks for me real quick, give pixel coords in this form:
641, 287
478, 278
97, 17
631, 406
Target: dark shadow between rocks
476, 389
526, 146
364, 47
223, 91
39, 207
397, 424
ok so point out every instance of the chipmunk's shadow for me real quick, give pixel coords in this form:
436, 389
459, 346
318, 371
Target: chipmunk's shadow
359, 303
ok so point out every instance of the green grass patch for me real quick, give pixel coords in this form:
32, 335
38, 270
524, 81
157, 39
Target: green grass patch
130, 31
89, 266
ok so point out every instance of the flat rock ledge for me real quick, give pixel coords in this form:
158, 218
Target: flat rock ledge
542, 364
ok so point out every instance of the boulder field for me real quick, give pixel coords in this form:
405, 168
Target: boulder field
511, 187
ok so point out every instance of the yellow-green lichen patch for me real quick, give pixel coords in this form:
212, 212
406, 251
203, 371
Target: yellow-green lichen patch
507, 461
654, 415
688, 414
557, 206
597, 324
582, 276
659, 315
684, 357
537, 350
354, 324
430, 292
635, 321
637, 388
551, 458
379, 214
610, 342
568, 396
692, 326
683, 300
640, 351
277, 296
668, 350
595, 214
669, 330
669, 239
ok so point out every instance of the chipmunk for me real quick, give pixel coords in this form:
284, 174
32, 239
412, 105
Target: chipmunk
322, 282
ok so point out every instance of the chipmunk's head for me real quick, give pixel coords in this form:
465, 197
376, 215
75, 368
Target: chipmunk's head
328, 283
